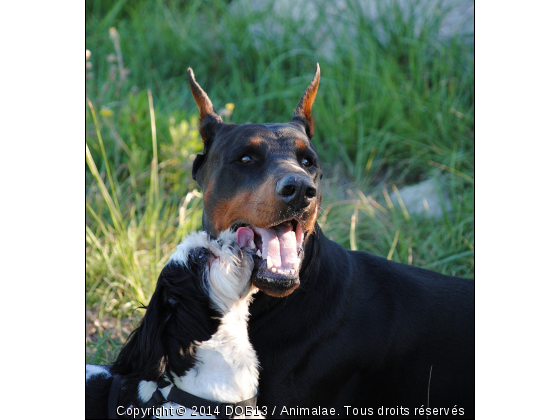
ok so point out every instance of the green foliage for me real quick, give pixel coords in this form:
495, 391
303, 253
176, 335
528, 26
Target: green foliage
395, 106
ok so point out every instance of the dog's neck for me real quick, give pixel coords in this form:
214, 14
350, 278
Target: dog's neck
227, 365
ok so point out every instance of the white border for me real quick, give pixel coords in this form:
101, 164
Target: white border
42, 213
517, 230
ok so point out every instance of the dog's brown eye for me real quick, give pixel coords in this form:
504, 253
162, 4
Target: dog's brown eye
306, 162
246, 159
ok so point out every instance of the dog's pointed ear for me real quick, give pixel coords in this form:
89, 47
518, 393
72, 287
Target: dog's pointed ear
302, 113
209, 118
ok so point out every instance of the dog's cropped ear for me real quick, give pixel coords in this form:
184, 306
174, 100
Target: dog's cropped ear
302, 113
209, 118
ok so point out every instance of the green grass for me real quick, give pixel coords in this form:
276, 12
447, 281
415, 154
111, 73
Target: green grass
393, 108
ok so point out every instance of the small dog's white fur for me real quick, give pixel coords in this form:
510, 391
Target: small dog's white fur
92, 370
227, 365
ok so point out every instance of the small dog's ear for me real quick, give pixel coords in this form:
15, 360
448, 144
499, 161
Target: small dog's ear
143, 356
209, 118
302, 113
178, 316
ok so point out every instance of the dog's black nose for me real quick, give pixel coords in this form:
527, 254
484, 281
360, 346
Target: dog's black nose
296, 190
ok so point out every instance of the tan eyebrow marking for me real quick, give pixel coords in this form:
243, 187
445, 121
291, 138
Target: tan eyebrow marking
255, 141
300, 144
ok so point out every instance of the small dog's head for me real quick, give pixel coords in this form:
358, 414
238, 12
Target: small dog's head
223, 266
264, 177
203, 279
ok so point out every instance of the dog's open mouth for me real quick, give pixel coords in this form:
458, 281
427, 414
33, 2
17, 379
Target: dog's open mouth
278, 253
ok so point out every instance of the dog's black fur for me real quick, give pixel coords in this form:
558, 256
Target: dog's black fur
179, 314
359, 331
363, 331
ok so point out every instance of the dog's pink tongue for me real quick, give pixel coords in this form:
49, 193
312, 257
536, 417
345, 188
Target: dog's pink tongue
244, 237
279, 247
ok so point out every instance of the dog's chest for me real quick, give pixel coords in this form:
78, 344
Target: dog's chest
227, 365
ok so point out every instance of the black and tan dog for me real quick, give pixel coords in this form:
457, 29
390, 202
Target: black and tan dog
336, 332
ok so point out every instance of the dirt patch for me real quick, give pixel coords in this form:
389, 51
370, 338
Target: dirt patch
105, 336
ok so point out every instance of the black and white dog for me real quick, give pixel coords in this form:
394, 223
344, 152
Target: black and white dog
191, 348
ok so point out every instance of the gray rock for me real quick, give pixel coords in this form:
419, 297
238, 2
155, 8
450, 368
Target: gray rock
322, 23
426, 198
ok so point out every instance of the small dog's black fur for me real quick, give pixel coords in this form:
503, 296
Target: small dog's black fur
179, 313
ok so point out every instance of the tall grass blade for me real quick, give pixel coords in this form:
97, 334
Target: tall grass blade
353, 221
393, 245
105, 160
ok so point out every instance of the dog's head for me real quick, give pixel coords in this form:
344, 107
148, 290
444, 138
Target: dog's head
263, 177
203, 279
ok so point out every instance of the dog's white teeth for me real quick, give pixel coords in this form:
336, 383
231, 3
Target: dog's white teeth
282, 271
268, 263
259, 253
252, 245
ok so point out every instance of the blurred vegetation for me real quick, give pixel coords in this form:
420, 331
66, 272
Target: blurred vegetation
395, 107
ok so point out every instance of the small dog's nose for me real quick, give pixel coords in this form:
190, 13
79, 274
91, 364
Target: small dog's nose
296, 190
